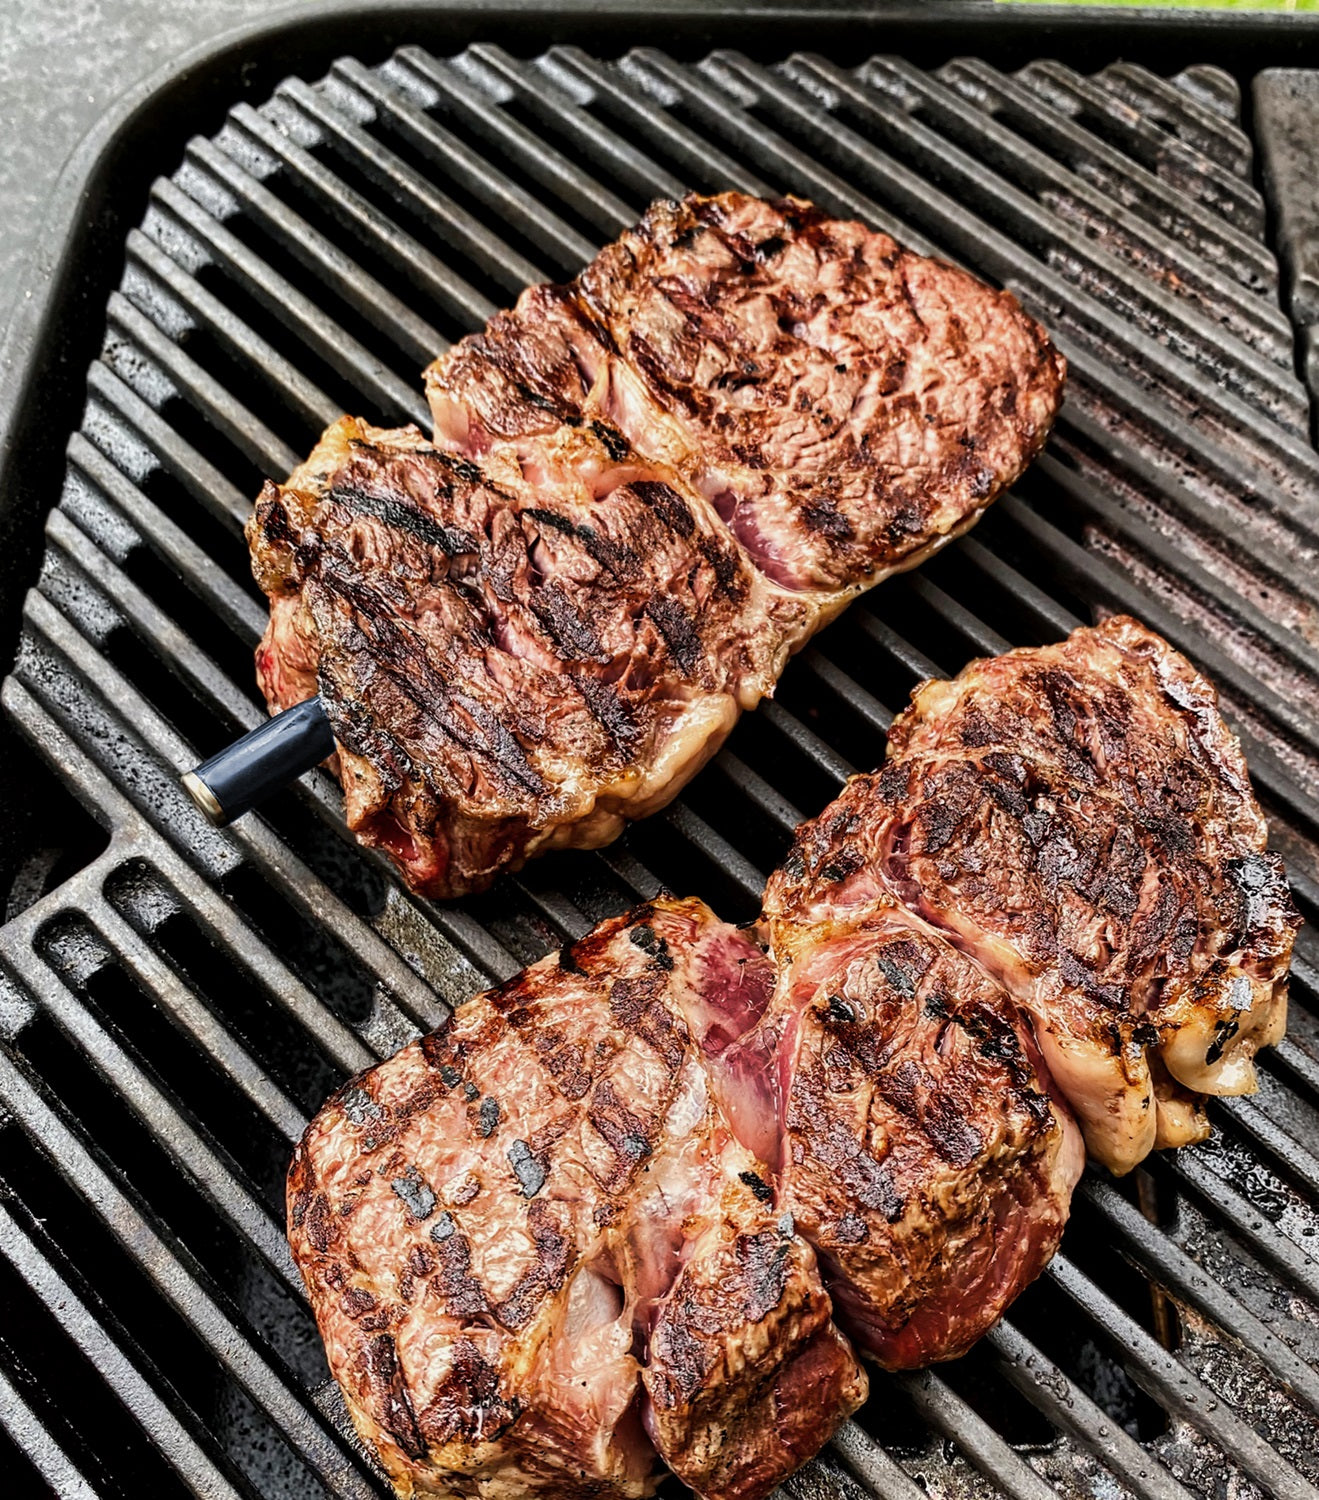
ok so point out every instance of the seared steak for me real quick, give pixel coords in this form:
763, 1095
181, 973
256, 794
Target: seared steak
922, 1155
1079, 820
847, 406
513, 659
571, 1232
507, 1224
647, 489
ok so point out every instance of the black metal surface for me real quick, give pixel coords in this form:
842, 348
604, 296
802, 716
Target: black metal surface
173, 1011
254, 768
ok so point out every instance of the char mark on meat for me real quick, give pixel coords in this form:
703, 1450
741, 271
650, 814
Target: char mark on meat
595, 1281
1079, 820
646, 489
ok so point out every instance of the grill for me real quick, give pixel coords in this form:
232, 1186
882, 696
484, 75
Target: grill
175, 1000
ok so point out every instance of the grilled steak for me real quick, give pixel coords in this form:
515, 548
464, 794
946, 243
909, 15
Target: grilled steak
1079, 820
847, 406
512, 660
572, 1231
647, 489
922, 1155
539, 1256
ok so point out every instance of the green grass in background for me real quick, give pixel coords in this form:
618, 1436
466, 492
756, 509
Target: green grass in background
1188, 4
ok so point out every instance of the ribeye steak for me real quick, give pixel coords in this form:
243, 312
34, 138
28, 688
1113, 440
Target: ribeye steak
647, 488
1079, 820
538, 1254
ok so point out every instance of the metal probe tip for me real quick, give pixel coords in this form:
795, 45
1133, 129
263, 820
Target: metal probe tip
204, 797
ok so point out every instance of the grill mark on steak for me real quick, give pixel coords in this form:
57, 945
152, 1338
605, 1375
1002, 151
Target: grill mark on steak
679, 632
384, 1379
569, 631
865, 1180
397, 514
686, 1343
395, 651
546, 1276
667, 504
628, 1135
468, 1404
462, 1293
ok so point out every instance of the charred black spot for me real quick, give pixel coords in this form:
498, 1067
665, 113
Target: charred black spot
530, 1173
443, 1227
613, 441
762, 1190
897, 976
567, 962
451, 1076
464, 468
846, 862
359, 1106
1224, 1031
489, 1116
839, 1010
649, 941
471, 1093
416, 1193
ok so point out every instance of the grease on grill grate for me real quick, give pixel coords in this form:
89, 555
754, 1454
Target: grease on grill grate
173, 1011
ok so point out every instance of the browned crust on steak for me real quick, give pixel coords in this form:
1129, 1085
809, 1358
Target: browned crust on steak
741, 1349
845, 404
512, 657
488, 1222
922, 1154
1079, 819
649, 488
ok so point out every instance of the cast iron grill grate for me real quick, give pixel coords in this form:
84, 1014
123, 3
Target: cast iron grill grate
171, 1014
